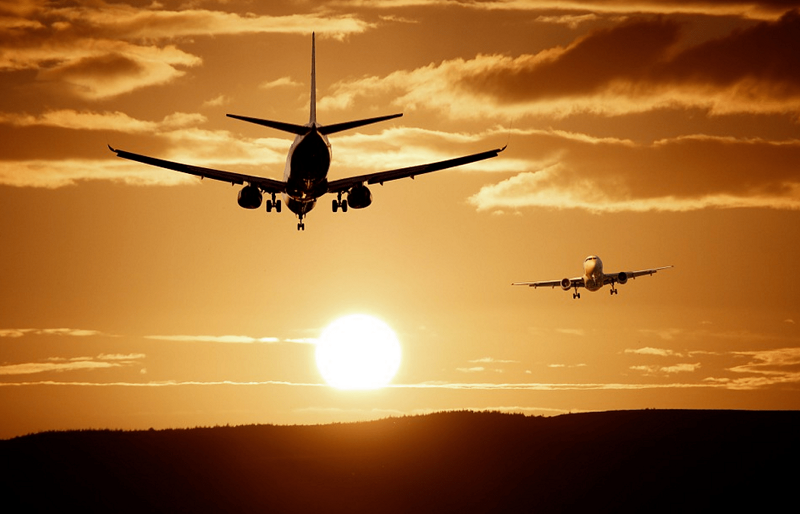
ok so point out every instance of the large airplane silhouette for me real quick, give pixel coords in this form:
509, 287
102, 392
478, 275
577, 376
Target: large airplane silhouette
305, 175
593, 278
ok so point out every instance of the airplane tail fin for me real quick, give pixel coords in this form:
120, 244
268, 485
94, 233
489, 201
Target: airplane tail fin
312, 118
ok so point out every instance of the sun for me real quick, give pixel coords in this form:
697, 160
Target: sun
358, 352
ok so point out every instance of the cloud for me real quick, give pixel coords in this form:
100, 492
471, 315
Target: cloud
75, 332
474, 369
771, 362
96, 50
107, 121
570, 171
228, 339
654, 66
60, 365
281, 82
492, 360
169, 383
769, 9
571, 331
653, 351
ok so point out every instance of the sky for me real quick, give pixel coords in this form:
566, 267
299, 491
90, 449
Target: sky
650, 133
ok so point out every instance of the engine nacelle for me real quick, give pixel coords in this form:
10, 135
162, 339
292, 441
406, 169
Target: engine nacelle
622, 277
359, 197
249, 197
566, 284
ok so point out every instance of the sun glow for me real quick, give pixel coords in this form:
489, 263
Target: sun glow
358, 352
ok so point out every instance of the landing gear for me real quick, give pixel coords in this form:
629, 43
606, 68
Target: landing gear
339, 203
613, 289
300, 224
576, 294
273, 203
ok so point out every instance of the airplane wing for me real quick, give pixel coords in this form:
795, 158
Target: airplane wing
631, 274
265, 184
573, 282
335, 186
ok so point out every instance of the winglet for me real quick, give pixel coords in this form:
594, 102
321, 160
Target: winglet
109, 147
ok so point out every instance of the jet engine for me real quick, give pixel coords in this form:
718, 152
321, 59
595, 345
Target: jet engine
249, 197
359, 197
566, 284
622, 277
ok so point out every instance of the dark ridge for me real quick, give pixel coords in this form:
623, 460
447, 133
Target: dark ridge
626, 461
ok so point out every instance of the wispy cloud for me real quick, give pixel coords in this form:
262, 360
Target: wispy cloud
569, 172
97, 50
752, 70
493, 360
75, 332
756, 10
235, 339
105, 121
667, 370
56, 364
662, 352
281, 82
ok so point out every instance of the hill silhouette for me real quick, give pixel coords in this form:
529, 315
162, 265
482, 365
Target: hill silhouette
626, 461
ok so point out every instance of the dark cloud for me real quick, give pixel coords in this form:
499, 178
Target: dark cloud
768, 52
641, 57
626, 52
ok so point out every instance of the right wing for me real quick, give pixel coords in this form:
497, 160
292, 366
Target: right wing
267, 185
573, 282
334, 186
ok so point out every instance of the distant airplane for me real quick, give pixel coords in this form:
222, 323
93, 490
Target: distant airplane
305, 174
593, 278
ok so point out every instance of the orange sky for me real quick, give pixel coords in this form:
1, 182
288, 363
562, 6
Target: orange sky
650, 134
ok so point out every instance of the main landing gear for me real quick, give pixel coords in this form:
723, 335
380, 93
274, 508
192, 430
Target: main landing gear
339, 203
300, 224
614, 290
273, 203
576, 294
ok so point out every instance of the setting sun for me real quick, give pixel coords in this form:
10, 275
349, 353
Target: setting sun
358, 352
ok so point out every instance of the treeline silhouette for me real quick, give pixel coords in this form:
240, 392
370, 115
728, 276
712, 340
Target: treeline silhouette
625, 461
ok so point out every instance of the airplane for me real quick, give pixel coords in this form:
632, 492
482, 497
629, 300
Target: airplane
305, 174
593, 278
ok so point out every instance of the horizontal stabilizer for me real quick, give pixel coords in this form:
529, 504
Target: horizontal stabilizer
279, 125
338, 127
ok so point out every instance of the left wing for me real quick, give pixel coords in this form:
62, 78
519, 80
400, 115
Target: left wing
609, 277
573, 282
265, 184
335, 186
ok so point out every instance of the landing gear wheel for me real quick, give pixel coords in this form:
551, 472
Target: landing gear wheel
269, 205
344, 205
277, 206
335, 205
301, 226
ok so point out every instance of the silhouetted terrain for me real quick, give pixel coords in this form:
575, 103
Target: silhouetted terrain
643, 461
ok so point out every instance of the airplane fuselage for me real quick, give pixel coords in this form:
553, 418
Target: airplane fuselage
593, 277
306, 171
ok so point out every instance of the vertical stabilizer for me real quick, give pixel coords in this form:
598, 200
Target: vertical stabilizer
313, 102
